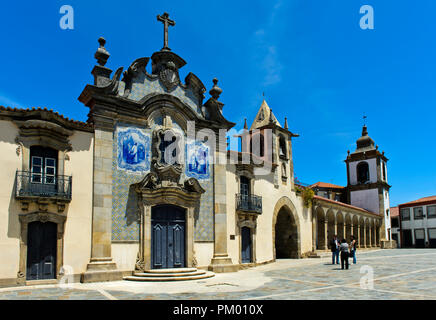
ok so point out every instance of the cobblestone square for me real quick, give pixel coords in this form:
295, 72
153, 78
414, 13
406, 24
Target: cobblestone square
400, 274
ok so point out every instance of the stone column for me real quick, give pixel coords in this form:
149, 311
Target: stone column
220, 262
364, 236
101, 267
336, 228
345, 231
325, 246
358, 236
370, 236
314, 230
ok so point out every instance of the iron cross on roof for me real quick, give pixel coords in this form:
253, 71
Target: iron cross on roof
166, 22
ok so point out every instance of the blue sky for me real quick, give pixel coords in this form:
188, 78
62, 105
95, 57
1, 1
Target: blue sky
310, 57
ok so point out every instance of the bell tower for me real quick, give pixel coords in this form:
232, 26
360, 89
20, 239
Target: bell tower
367, 179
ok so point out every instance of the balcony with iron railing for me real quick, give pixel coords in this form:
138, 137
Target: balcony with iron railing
249, 203
35, 185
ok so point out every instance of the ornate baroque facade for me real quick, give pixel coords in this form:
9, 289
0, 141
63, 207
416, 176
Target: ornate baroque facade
100, 200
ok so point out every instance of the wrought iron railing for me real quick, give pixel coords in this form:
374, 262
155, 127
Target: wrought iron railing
40, 185
249, 203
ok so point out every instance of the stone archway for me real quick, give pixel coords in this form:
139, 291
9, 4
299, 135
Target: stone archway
321, 243
286, 230
340, 226
348, 229
331, 226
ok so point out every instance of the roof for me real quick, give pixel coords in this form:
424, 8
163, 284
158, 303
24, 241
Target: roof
43, 112
326, 185
346, 205
425, 200
263, 117
395, 212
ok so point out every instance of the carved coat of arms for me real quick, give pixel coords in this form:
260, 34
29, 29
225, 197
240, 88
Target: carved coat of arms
169, 76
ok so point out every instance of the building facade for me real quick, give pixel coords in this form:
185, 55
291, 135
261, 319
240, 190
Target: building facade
418, 223
148, 182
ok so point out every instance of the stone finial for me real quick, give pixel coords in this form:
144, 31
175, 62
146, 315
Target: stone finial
286, 123
376, 147
245, 124
348, 152
102, 55
215, 91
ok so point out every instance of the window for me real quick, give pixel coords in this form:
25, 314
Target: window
245, 186
431, 212
284, 175
405, 214
418, 213
43, 165
282, 147
394, 223
338, 197
362, 172
257, 139
384, 171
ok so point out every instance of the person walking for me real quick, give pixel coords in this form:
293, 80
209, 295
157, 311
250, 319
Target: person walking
334, 247
344, 254
353, 248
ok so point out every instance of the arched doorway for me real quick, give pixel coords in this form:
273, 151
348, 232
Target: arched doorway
168, 237
41, 250
286, 235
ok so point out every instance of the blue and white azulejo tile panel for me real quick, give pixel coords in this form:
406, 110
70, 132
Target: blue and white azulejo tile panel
133, 149
197, 160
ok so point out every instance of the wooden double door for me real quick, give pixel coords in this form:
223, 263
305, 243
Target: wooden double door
41, 250
168, 241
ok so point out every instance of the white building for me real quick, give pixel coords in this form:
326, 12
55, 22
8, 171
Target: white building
418, 223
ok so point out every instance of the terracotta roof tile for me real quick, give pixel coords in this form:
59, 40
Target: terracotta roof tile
420, 201
346, 205
395, 211
326, 185
76, 122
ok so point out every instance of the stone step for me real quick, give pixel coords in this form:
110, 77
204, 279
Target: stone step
172, 270
181, 277
169, 274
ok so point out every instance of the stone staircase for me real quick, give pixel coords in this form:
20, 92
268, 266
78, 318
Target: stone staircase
176, 274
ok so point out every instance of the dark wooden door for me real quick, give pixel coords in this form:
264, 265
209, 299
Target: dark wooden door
41, 251
246, 245
167, 237
407, 239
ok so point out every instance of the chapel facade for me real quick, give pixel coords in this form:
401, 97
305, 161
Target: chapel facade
149, 183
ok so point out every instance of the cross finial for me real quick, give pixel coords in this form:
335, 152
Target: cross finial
364, 119
166, 22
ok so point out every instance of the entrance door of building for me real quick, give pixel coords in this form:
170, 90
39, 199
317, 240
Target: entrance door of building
246, 245
167, 237
41, 250
432, 237
407, 239
419, 238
